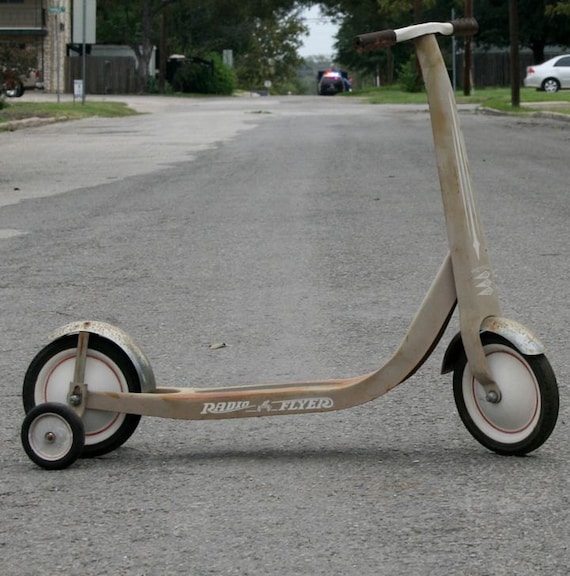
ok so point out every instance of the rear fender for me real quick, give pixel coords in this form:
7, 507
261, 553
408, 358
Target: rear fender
122, 340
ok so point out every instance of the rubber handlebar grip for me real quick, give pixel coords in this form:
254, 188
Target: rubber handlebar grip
387, 38
373, 40
464, 26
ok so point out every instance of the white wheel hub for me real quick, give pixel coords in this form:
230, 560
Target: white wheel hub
515, 416
101, 374
50, 436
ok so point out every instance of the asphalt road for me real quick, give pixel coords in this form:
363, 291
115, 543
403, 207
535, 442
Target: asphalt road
302, 232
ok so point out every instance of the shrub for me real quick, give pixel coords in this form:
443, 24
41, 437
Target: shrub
408, 76
202, 79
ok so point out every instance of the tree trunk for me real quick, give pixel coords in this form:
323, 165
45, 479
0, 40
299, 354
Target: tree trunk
515, 59
143, 51
538, 56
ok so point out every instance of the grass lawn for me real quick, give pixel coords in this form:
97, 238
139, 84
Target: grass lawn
496, 98
63, 110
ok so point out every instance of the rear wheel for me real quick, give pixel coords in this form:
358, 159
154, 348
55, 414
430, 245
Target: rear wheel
551, 85
15, 90
527, 411
108, 369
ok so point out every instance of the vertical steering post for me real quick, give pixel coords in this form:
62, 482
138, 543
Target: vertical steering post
476, 291
76, 398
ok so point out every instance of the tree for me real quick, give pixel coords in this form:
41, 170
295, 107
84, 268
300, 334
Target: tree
131, 22
541, 22
204, 25
15, 59
210, 76
361, 16
358, 19
560, 8
272, 51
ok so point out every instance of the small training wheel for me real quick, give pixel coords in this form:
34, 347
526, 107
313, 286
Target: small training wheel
53, 435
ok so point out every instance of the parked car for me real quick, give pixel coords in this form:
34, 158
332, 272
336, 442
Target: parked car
330, 82
14, 84
550, 76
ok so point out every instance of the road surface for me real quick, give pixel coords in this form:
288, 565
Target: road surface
302, 232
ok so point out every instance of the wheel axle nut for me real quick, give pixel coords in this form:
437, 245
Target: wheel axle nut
75, 399
50, 437
492, 397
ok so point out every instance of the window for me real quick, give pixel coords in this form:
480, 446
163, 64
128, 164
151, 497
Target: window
563, 61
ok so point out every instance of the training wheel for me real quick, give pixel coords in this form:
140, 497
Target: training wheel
53, 435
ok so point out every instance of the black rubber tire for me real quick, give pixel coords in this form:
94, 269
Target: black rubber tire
550, 85
16, 92
543, 384
120, 360
67, 441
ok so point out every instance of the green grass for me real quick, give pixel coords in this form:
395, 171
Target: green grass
496, 98
62, 111
392, 94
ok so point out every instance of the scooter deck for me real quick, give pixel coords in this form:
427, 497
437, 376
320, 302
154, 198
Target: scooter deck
248, 401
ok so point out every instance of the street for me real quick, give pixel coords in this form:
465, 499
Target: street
302, 233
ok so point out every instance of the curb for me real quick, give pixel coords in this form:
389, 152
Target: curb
538, 114
34, 122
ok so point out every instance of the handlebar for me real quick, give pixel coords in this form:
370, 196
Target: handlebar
387, 38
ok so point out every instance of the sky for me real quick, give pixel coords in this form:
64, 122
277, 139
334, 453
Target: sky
321, 37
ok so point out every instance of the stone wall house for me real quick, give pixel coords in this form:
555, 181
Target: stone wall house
33, 38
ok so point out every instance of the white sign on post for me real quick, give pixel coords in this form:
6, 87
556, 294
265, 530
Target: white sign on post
77, 89
228, 58
89, 23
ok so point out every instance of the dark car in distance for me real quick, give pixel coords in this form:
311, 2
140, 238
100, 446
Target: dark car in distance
331, 82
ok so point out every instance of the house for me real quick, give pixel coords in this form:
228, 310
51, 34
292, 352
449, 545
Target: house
33, 39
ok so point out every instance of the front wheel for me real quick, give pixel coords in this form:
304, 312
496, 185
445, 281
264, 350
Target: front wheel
107, 369
526, 414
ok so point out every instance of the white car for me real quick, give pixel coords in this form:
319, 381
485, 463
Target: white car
550, 76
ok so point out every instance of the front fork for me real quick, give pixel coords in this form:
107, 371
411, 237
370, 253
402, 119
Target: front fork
476, 292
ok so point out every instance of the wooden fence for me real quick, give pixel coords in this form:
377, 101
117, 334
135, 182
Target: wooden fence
115, 75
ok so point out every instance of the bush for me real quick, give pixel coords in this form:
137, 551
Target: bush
202, 79
408, 76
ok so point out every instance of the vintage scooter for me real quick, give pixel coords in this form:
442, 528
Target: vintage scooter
85, 392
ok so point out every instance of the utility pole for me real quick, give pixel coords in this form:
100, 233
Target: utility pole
417, 11
84, 50
162, 64
467, 54
417, 20
515, 58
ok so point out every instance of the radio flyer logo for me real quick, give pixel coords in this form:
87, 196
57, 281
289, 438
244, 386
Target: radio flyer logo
291, 405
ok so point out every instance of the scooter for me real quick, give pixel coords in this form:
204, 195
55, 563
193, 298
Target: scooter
84, 392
